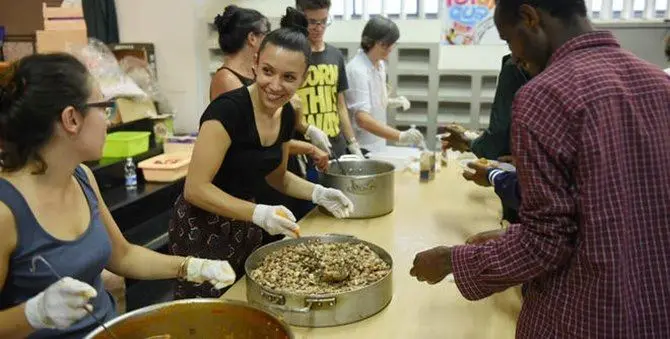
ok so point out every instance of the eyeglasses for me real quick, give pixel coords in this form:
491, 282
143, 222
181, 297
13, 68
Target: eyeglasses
109, 106
324, 22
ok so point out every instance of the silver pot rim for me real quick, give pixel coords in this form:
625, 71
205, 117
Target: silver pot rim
358, 176
331, 236
155, 307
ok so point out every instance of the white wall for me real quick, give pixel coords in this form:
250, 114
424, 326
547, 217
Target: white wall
175, 28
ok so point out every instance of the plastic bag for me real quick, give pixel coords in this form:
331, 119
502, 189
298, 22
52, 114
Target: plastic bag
140, 72
103, 66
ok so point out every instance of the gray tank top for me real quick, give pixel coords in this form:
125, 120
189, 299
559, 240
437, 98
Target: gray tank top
82, 259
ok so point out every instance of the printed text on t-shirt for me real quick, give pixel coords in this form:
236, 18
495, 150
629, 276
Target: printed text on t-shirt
320, 98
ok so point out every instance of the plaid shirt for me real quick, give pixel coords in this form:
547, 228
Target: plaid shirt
592, 138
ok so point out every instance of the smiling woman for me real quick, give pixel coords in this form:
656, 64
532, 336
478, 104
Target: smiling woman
52, 118
242, 146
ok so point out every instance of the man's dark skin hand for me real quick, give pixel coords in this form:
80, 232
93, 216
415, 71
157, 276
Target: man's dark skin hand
433, 265
481, 174
456, 139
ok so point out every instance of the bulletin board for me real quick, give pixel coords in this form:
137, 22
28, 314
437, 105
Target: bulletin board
468, 22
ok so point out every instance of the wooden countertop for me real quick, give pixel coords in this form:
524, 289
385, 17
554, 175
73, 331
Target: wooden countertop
443, 212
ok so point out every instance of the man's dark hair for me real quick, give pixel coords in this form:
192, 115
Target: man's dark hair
667, 47
379, 29
562, 9
312, 4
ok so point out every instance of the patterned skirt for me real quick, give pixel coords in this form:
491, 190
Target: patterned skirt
198, 233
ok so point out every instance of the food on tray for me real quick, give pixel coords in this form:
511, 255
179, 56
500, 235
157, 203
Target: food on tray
456, 128
320, 268
483, 161
167, 161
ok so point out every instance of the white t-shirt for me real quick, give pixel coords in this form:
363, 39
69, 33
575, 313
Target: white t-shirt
367, 92
667, 70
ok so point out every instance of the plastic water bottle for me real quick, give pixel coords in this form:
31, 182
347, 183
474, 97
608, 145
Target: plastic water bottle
130, 172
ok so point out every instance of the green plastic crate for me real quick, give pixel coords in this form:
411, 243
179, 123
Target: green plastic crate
125, 144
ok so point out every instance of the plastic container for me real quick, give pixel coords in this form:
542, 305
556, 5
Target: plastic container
166, 167
179, 144
125, 144
400, 157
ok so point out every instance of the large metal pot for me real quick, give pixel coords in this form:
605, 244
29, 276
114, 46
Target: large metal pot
320, 310
368, 183
197, 318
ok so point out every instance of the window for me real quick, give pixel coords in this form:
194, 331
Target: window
337, 8
639, 7
393, 8
661, 8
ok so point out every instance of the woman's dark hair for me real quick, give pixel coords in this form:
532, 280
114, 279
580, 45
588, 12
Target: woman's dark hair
379, 29
667, 47
33, 94
562, 9
292, 35
312, 4
235, 24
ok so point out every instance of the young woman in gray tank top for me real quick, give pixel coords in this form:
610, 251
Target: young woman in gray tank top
51, 120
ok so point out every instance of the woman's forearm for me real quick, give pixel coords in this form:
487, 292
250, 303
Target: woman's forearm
368, 123
144, 264
297, 147
14, 324
297, 187
212, 199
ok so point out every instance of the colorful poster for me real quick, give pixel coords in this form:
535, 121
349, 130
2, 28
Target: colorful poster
468, 22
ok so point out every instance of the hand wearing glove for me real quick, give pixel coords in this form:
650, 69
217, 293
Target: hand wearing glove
218, 273
411, 136
318, 138
399, 102
355, 149
333, 200
60, 305
276, 220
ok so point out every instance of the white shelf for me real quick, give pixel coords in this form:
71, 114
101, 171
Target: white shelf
456, 98
413, 70
487, 97
411, 118
414, 94
213, 43
443, 119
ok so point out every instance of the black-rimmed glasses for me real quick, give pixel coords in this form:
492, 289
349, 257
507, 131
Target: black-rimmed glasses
109, 106
324, 22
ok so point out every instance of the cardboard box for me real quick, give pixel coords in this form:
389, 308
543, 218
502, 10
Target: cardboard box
134, 109
63, 26
58, 41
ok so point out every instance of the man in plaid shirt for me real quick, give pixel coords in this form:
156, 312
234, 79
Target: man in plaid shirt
591, 134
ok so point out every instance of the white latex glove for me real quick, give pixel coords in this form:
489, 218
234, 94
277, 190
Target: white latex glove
400, 102
333, 200
276, 220
411, 137
355, 149
60, 305
216, 272
318, 138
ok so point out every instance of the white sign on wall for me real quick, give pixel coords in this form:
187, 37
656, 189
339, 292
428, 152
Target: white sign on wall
468, 22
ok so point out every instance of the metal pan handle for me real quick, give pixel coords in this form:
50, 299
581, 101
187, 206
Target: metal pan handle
310, 304
349, 157
341, 235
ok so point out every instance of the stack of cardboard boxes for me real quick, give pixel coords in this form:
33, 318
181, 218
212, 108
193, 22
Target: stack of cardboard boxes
63, 26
